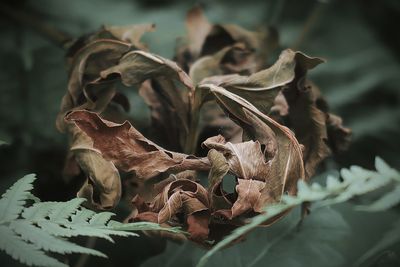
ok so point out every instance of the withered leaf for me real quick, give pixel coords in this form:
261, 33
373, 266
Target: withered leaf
131, 33
204, 38
219, 168
338, 135
249, 196
245, 160
188, 198
262, 88
137, 66
308, 123
102, 187
98, 54
285, 165
123, 145
230, 59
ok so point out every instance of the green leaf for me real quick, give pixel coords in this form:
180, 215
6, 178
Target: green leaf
13, 200
24, 252
356, 181
28, 232
386, 202
47, 242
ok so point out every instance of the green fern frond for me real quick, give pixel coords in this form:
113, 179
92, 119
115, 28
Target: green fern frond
13, 200
356, 181
30, 228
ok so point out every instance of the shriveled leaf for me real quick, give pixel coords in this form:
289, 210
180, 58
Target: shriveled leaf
231, 59
86, 65
261, 88
102, 187
205, 39
281, 158
184, 197
129, 150
339, 136
246, 159
249, 196
131, 33
170, 86
219, 168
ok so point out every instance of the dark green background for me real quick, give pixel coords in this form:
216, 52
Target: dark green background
359, 39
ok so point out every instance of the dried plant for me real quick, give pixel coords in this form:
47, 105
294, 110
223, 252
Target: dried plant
219, 109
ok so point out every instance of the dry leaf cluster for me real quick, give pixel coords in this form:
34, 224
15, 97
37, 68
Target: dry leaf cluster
217, 110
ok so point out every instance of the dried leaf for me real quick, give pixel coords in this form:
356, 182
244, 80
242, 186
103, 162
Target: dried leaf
86, 65
249, 196
219, 168
131, 33
102, 187
245, 160
137, 66
262, 88
123, 145
205, 39
339, 137
231, 59
285, 166
184, 197
308, 123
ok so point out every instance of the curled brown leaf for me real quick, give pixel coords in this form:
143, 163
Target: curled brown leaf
129, 150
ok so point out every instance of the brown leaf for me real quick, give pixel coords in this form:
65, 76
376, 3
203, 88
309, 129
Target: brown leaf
249, 196
219, 168
198, 28
131, 33
102, 187
137, 66
231, 59
198, 226
205, 39
308, 123
284, 166
338, 135
245, 160
262, 88
123, 145
188, 198
86, 65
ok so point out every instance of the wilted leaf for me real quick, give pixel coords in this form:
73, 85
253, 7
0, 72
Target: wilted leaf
307, 121
131, 33
231, 59
205, 39
102, 187
219, 168
279, 164
123, 145
170, 87
261, 88
86, 65
184, 197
